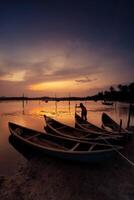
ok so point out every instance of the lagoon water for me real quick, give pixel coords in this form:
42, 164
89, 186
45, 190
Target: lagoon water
30, 114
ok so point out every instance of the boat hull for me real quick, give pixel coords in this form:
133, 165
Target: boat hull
56, 128
115, 127
59, 147
84, 158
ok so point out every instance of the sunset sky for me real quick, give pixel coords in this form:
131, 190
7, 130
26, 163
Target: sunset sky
65, 47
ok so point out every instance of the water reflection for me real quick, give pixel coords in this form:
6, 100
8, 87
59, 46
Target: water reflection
62, 110
30, 114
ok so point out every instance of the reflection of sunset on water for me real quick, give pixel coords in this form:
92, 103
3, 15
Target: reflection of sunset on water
31, 114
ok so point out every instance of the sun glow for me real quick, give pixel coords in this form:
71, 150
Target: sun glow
63, 87
56, 85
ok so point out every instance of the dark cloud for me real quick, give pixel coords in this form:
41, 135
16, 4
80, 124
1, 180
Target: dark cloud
45, 70
86, 80
33, 70
76, 71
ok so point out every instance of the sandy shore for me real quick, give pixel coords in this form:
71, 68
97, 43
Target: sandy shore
52, 179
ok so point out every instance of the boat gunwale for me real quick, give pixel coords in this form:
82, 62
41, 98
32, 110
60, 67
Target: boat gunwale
56, 150
123, 131
103, 133
85, 138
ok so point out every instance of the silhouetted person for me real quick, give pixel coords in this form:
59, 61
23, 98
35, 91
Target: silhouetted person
83, 111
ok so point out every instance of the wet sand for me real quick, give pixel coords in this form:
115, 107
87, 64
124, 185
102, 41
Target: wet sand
53, 179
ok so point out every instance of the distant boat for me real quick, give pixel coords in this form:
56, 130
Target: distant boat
107, 103
57, 128
62, 147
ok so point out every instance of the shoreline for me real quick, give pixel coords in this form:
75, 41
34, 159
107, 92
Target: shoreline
49, 178
63, 99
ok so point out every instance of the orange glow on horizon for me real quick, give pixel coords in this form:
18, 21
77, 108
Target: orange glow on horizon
63, 87
56, 85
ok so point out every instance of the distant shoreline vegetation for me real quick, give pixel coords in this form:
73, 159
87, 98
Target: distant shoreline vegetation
123, 93
44, 98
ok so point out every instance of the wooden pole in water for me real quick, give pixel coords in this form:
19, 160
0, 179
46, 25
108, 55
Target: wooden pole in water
129, 115
23, 104
55, 103
75, 109
69, 102
120, 125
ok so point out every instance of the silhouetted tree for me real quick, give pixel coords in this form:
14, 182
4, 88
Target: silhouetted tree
112, 89
120, 87
124, 93
131, 87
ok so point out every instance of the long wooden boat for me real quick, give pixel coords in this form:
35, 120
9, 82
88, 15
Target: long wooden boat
107, 121
89, 127
57, 128
62, 147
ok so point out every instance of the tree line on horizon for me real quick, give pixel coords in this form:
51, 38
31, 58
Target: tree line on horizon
120, 93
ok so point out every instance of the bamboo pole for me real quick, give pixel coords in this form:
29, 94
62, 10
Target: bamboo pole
129, 115
69, 102
120, 126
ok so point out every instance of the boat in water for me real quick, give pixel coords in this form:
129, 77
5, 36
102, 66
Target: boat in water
89, 127
107, 103
57, 128
60, 147
107, 121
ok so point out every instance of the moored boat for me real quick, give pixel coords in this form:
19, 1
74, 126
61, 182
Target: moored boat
88, 126
107, 103
58, 128
62, 147
107, 121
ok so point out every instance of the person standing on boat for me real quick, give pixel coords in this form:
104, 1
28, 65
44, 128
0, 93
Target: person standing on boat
83, 111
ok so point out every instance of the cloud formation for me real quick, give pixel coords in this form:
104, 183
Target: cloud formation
49, 69
85, 80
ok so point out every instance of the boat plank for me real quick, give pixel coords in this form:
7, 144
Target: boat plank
75, 147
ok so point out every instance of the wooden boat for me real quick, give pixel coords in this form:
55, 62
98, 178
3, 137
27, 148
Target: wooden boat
62, 147
110, 123
58, 128
25, 150
88, 126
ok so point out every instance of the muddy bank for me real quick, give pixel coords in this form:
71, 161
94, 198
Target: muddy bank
47, 178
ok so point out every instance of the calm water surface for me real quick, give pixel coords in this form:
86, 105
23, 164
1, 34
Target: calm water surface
31, 113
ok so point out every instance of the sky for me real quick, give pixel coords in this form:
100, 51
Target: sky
65, 47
